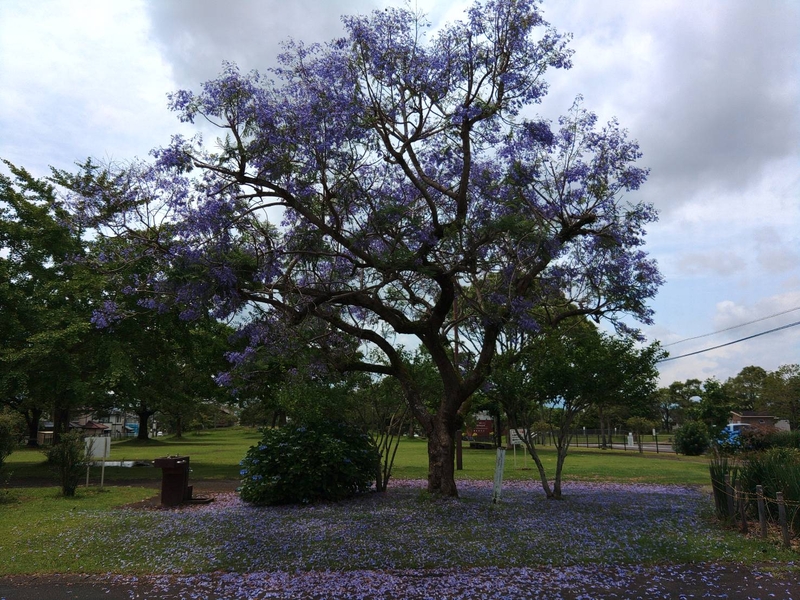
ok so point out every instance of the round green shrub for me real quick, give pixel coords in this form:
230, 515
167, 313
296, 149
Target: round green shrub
306, 463
692, 438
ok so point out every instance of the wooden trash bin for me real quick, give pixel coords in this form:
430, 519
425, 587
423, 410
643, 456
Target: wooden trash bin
175, 488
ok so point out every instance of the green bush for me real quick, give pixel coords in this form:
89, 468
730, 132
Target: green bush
68, 458
785, 439
305, 463
757, 437
692, 438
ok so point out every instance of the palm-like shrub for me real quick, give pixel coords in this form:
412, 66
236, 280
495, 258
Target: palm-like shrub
776, 470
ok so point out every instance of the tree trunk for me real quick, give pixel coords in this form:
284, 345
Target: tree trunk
32, 417
60, 422
561, 453
179, 426
144, 416
548, 492
441, 458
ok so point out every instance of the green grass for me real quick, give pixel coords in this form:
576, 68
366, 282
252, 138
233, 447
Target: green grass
215, 454
581, 465
31, 519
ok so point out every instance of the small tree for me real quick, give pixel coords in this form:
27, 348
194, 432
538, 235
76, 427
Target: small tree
381, 409
69, 459
561, 374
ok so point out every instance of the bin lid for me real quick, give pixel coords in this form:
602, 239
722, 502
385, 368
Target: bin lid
166, 462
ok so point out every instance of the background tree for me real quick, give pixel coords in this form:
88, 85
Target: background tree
563, 373
159, 363
675, 400
713, 408
366, 182
746, 388
10, 435
49, 348
781, 396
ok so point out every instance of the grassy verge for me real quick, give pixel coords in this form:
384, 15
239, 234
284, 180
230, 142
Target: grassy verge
584, 464
33, 519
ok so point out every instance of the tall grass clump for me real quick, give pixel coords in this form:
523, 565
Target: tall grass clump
776, 470
719, 467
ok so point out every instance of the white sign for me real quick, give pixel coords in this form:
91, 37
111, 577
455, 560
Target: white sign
516, 437
97, 447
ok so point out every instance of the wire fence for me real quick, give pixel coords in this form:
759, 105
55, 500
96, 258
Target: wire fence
617, 440
736, 505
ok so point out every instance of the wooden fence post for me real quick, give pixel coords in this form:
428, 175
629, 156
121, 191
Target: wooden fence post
729, 497
742, 506
782, 519
762, 516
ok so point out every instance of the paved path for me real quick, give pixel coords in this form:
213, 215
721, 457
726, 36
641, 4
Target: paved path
595, 583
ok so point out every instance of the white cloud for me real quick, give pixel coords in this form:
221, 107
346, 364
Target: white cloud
84, 81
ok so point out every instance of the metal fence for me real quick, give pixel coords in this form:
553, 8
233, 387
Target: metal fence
617, 440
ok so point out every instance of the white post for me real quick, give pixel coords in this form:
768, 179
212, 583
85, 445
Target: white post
498, 475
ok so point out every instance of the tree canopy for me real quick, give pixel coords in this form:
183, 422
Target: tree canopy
368, 182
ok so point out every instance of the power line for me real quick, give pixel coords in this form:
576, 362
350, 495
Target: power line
749, 337
697, 337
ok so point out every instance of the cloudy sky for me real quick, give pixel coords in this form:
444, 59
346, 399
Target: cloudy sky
710, 88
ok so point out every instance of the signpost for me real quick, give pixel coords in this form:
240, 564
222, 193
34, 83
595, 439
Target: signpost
97, 447
517, 437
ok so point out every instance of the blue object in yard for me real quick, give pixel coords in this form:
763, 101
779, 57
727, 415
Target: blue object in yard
730, 435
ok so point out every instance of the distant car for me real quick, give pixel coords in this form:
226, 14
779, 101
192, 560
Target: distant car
734, 429
729, 436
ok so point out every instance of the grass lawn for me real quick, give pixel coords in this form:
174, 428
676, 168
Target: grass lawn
582, 464
215, 454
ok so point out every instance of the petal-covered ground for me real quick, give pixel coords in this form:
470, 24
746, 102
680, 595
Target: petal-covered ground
596, 543
603, 524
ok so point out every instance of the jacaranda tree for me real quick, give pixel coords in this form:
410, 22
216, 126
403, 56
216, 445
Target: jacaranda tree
367, 183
